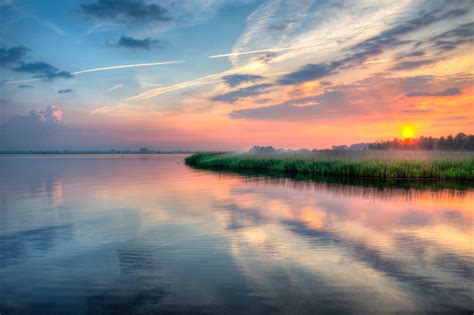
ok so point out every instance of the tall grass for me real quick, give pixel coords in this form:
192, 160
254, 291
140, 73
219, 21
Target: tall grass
373, 164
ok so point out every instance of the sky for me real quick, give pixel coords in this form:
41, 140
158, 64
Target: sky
228, 74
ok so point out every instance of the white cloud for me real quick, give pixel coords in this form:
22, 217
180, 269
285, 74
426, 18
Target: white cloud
33, 128
325, 26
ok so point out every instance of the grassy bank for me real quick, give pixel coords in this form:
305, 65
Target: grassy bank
370, 164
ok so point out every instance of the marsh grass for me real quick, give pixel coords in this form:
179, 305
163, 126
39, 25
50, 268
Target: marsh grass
369, 164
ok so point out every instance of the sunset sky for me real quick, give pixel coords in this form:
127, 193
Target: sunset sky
226, 74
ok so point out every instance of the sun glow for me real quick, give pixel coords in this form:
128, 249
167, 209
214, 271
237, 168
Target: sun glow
407, 132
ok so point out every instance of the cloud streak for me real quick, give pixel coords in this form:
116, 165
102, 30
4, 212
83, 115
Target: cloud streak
309, 72
447, 92
453, 38
232, 97
237, 79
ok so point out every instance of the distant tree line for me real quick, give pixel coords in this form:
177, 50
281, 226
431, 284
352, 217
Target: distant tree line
457, 143
460, 142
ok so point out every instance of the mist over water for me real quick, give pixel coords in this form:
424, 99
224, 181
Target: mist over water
140, 234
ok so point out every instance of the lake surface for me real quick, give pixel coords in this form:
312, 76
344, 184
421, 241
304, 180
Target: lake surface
141, 234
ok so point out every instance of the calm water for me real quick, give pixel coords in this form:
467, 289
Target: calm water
104, 234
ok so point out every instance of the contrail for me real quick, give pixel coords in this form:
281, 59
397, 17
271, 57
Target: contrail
198, 81
177, 86
251, 52
118, 86
137, 65
166, 89
20, 81
270, 50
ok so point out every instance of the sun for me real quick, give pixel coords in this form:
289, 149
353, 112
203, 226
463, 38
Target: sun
407, 132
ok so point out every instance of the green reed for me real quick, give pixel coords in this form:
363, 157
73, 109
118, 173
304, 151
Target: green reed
387, 164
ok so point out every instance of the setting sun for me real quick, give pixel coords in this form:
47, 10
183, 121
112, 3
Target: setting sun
407, 132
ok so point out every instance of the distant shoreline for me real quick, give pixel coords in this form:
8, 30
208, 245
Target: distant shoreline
93, 152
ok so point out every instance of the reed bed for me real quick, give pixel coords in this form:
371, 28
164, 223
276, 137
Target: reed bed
369, 164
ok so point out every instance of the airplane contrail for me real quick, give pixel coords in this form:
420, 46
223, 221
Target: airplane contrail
137, 65
20, 81
118, 86
187, 84
251, 52
178, 86
269, 50
166, 89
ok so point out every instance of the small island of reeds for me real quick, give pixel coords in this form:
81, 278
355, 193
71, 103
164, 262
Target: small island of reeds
380, 164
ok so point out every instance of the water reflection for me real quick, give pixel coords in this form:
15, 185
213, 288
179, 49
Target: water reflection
105, 234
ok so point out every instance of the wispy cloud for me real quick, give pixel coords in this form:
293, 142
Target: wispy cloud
53, 28
56, 29
301, 27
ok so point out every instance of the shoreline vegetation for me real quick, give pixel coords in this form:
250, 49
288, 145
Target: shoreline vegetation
337, 181
370, 164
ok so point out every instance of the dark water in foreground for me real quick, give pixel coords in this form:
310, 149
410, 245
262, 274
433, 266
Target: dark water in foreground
101, 234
